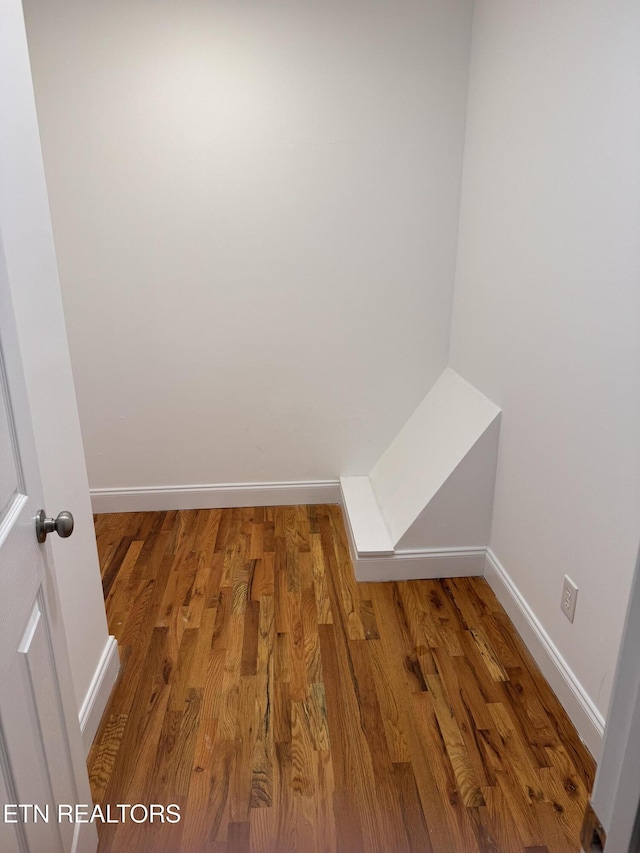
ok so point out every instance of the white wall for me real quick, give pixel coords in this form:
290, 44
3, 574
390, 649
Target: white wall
547, 305
255, 210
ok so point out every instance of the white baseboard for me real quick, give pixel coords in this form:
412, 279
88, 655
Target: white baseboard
99, 691
215, 496
583, 713
407, 565
425, 564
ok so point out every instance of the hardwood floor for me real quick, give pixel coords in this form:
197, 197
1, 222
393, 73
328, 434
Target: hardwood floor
285, 707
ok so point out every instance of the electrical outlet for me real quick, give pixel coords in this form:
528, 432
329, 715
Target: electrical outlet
569, 596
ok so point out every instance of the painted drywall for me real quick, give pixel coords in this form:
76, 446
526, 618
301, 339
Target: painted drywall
459, 513
255, 209
547, 305
421, 458
35, 292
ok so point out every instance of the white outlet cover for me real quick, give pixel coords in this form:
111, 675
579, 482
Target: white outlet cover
569, 597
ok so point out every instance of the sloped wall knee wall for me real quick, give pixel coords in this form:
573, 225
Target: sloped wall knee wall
427, 503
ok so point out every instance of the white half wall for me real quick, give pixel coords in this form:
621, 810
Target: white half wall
459, 513
420, 463
547, 306
425, 508
255, 208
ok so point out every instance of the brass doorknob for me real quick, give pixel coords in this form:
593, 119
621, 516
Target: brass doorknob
62, 524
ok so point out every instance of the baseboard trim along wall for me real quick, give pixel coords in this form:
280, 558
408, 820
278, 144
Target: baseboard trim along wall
583, 713
99, 691
215, 496
421, 564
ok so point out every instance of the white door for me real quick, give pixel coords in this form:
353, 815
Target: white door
41, 755
41, 752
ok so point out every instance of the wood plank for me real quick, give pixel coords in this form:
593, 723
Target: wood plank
320, 587
242, 779
488, 655
103, 756
263, 754
416, 828
412, 722
249, 662
447, 813
349, 831
465, 775
287, 708
459, 709
388, 703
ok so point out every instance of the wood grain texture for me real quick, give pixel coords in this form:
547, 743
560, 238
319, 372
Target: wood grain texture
285, 707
